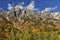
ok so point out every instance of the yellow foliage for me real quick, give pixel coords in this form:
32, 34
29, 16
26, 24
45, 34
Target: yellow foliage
58, 37
35, 30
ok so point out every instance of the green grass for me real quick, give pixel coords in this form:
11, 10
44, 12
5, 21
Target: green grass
29, 35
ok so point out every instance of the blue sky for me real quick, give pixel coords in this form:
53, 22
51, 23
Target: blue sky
39, 4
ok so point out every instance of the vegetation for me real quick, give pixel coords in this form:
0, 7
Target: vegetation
29, 28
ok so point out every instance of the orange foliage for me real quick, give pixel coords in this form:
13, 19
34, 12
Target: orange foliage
6, 34
8, 25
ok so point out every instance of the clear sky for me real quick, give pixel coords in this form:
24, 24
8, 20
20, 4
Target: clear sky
39, 4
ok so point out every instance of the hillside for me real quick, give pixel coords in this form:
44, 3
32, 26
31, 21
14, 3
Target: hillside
19, 16
29, 24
